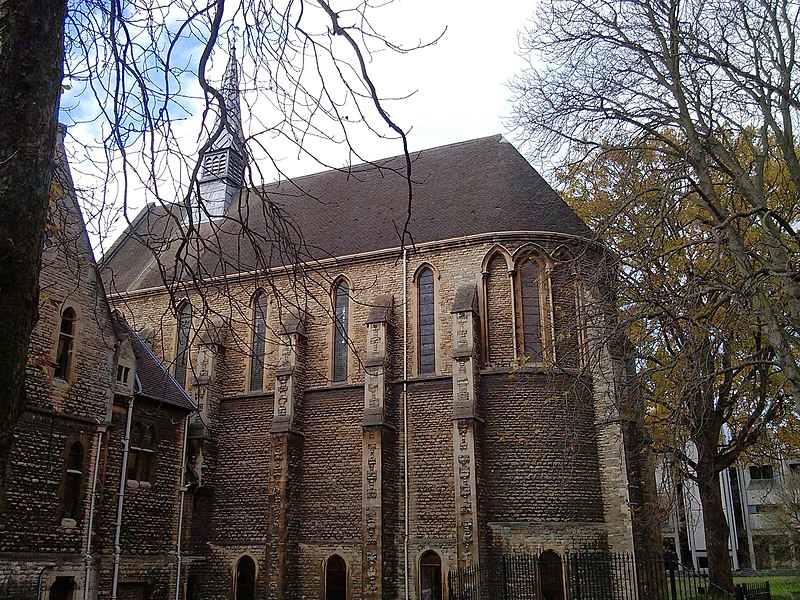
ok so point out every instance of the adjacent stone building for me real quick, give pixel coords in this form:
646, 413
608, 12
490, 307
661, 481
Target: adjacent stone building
99, 405
371, 416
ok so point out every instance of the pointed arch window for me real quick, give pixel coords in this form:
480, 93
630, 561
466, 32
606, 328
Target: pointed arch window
245, 579
66, 345
335, 578
430, 576
182, 346
259, 342
341, 313
73, 482
426, 322
532, 309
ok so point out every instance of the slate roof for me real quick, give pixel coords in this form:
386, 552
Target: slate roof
156, 381
474, 187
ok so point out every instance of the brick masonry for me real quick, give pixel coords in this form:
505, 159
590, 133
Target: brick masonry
39, 543
548, 468
284, 475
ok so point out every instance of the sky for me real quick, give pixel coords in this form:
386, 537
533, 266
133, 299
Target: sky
451, 91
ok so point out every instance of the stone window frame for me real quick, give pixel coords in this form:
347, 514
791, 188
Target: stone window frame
147, 478
74, 519
338, 280
505, 255
414, 325
176, 349
69, 377
581, 321
324, 575
235, 574
546, 320
251, 340
443, 569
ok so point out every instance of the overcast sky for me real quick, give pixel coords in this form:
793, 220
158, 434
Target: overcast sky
460, 80
458, 85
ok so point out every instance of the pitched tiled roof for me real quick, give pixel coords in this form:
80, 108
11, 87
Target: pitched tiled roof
156, 381
474, 187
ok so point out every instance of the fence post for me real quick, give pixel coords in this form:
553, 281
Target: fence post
674, 592
450, 585
740, 591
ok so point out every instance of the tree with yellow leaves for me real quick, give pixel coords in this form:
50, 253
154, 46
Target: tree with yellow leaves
711, 379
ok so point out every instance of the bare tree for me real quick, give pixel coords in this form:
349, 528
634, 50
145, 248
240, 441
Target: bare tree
29, 94
137, 63
712, 87
681, 115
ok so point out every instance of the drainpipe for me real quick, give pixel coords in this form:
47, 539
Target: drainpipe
405, 418
121, 498
88, 551
182, 488
40, 578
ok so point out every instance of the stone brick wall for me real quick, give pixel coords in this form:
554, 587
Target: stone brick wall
540, 452
58, 413
543, 478
150, 512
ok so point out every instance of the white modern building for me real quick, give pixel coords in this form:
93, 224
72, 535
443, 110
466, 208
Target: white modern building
751, 495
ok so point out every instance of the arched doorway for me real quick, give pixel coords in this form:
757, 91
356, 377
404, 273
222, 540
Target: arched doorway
551, 576
335, 578
430, 576
246, 579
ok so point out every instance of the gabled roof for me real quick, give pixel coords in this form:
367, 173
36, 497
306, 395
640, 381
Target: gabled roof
156, 381
475, 187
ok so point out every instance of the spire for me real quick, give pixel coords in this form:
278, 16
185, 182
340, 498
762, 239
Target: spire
223, 163
232, 134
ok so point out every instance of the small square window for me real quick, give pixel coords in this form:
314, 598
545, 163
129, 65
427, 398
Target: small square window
761, 472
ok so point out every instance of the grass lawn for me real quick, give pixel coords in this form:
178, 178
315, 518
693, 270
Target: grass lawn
781, 586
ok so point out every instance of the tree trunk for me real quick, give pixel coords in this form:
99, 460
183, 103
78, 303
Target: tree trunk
31, 69
715, 527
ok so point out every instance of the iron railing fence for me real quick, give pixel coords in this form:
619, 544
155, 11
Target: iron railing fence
588, 576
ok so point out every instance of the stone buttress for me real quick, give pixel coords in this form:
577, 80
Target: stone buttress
286, 441
376, 367
465, 418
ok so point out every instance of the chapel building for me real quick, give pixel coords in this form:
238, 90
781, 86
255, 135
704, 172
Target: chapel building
371, 417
